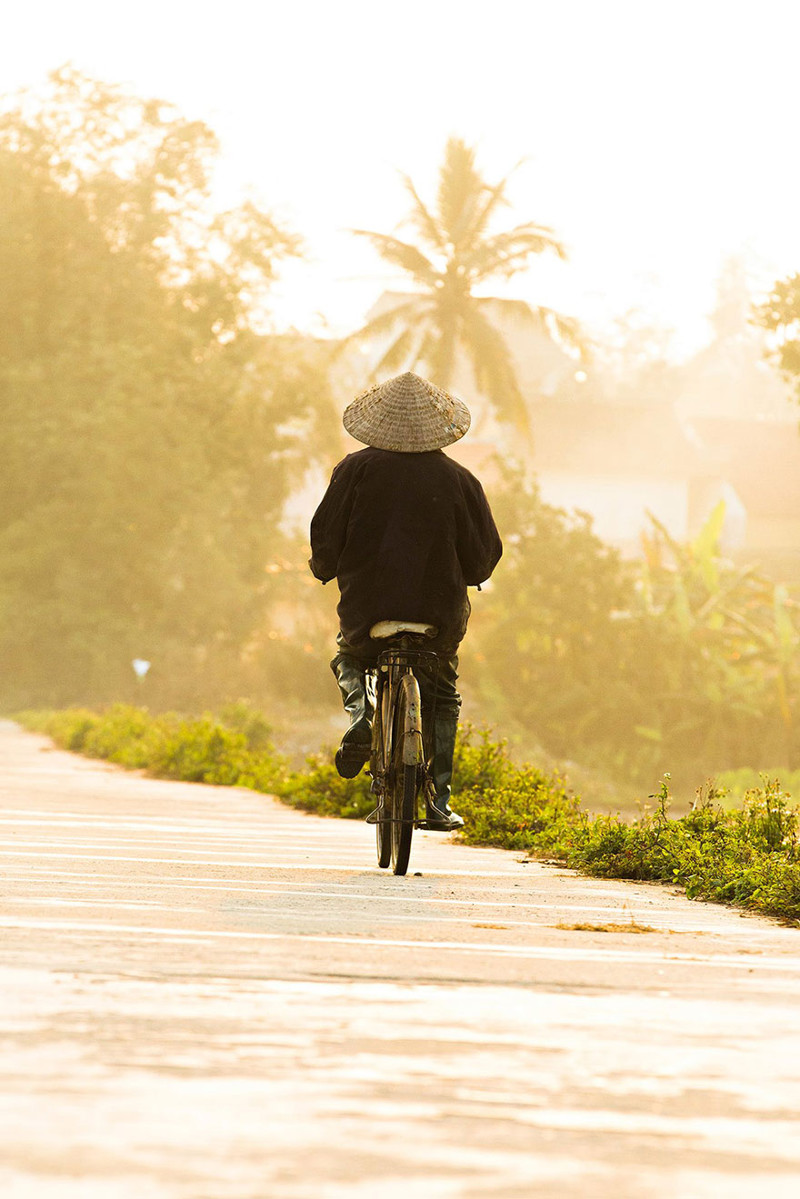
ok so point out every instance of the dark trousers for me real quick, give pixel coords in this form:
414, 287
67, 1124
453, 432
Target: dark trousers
437, 691
440, 693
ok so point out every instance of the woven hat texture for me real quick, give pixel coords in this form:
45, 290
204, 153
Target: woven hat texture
407, 414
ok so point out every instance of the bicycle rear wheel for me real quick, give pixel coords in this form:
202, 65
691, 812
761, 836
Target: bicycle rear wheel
383, 837
404, 795
379, 771
404, 782
383, 828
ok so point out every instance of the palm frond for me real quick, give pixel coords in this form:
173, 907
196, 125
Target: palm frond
493, 368
426, 349
495, 197
386, 322
401, 253
423, 219
404, 350
461, 189
506, 253
564, 330
442, 353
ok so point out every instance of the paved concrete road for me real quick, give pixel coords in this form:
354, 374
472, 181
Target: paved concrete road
204, 995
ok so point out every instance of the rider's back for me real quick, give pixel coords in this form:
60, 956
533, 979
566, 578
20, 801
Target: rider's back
404, 534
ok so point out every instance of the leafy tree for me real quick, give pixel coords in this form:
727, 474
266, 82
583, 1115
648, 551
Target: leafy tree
455, 255
681, 662
545, 633
780, 314
729, 685
151, 432
729, 377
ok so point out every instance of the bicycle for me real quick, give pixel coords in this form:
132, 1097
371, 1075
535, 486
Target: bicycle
402, 749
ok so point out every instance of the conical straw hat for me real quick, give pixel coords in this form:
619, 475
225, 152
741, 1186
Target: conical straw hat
407, 414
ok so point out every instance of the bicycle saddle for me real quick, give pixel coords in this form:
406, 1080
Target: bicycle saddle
393, 628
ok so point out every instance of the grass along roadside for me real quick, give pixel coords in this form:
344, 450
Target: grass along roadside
748, 856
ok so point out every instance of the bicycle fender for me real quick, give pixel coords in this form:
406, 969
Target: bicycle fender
413, 750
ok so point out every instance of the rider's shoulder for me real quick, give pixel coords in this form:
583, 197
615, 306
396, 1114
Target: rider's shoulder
350, 462
460, 472
382, 461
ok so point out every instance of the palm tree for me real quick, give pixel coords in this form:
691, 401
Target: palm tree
455, 255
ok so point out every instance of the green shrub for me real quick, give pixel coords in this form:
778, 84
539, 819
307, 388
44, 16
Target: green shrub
68, 728
198, 750
201, 751
252, 724
320, 789
517, 807
126, 735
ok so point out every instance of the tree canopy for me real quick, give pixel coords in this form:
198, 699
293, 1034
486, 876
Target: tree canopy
682, 662
780, 314
151, 429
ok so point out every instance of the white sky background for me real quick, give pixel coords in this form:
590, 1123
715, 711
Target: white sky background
660, 136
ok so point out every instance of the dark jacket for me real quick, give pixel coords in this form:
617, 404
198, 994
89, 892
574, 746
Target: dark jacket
404, 534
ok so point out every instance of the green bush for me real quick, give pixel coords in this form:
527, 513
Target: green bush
252, 724
519, 808
68, 728
201, 751
126, 735
320, 789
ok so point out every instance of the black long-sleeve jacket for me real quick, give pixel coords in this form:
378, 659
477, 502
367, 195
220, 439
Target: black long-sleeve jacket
404, 534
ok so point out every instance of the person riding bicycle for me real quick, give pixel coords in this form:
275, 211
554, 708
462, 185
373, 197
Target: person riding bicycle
405, 530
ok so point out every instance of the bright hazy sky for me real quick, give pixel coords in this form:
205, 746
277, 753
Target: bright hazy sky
660, 136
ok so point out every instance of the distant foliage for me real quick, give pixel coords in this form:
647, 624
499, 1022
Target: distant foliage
681, 661
780, 314
151, 432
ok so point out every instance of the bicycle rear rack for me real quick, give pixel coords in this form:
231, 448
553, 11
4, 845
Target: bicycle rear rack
408, 657
426, 659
